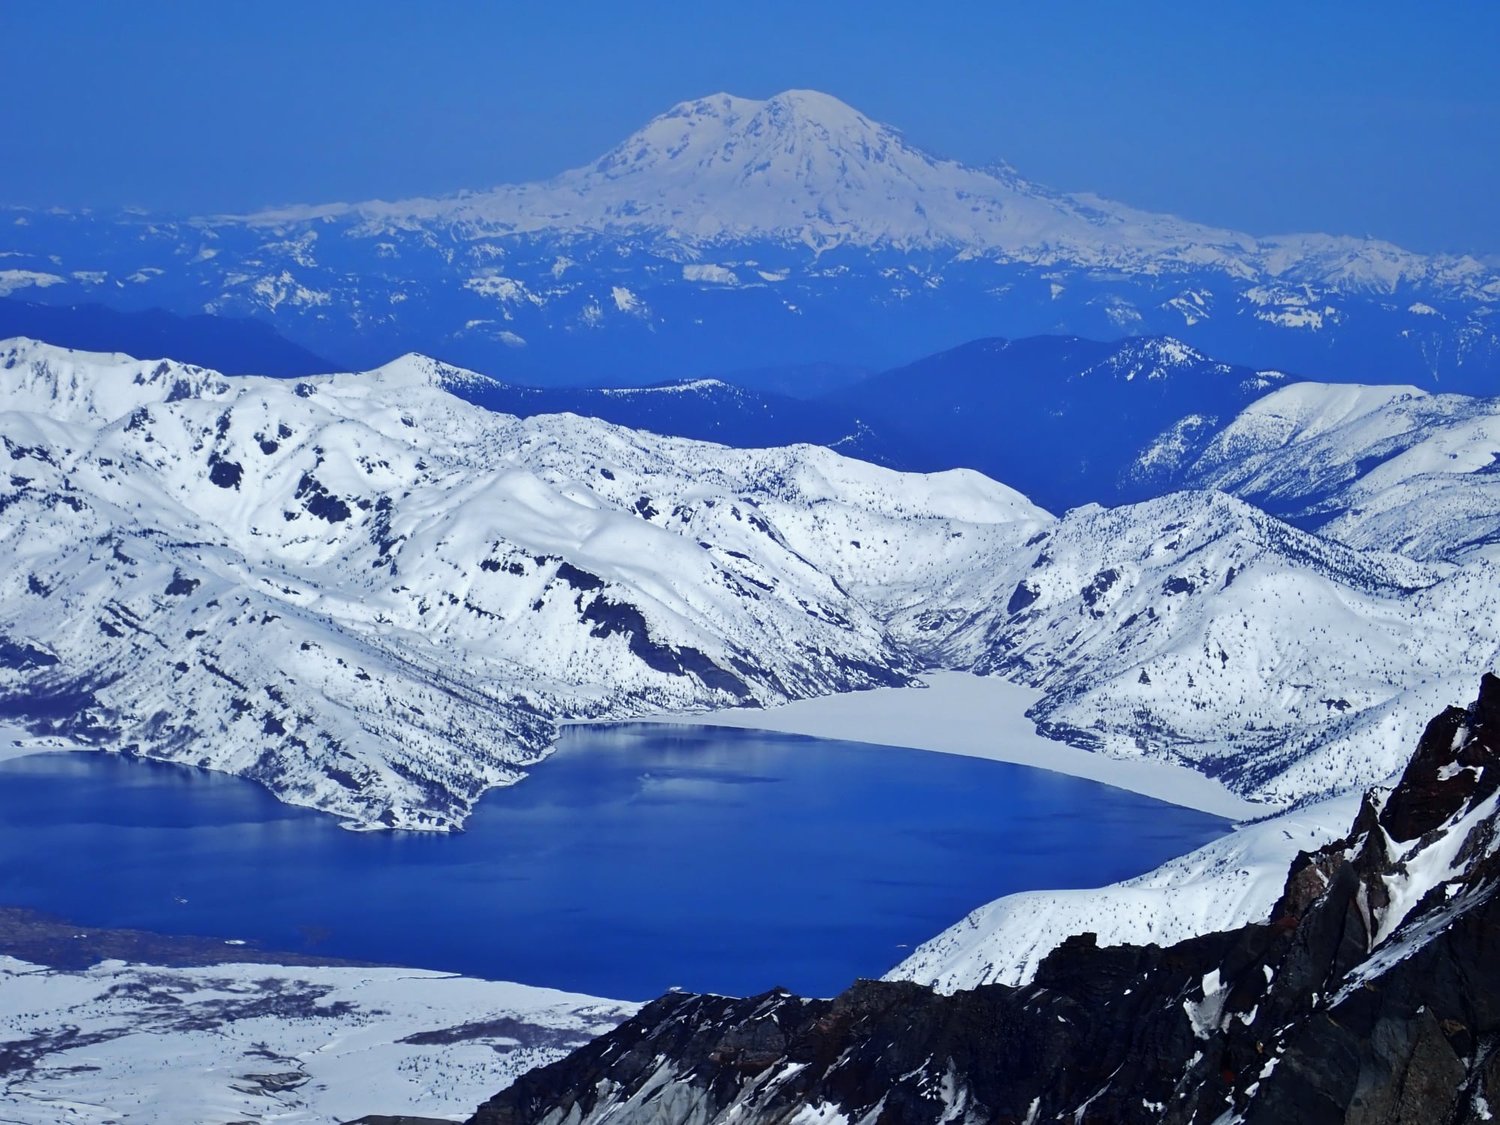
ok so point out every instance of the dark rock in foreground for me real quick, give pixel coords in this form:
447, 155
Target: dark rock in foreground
1371, 994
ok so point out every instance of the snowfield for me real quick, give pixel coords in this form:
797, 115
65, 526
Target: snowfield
302, 1045
978, 717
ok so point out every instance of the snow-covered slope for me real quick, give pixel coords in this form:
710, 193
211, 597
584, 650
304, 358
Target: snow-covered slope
371, 596
1234, 880
162, 1045
731, 231
1195, 626
1372, 466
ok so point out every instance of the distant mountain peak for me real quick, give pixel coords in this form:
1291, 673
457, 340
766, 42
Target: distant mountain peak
802, 164
783, 137
414, 369
803, 167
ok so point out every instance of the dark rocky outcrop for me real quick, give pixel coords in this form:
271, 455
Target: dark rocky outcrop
1370, 995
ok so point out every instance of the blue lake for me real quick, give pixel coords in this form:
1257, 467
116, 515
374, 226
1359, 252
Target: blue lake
638, 857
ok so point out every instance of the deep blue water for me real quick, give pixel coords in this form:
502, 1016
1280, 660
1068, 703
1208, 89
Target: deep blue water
637, 858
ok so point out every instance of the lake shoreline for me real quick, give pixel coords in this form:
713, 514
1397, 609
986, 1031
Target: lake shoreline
972, 716
641, 856
43, 938
952, 713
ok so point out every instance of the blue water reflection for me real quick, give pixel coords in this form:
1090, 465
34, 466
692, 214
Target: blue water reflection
638, 857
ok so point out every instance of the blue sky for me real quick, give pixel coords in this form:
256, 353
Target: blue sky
1373, 118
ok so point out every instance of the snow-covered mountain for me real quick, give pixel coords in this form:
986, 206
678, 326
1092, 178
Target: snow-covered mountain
1232, 881
710, 410
371, 596
376, 598
1194, 626
1372, 466
805, 167
730, 233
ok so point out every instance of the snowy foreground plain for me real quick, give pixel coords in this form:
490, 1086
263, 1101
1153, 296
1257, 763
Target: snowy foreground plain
319, 1045
295, 1045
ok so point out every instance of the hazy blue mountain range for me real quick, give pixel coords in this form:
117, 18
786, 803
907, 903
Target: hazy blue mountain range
1065, 420
729, 233
235, 345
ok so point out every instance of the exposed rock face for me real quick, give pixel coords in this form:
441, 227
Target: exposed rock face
1371, 994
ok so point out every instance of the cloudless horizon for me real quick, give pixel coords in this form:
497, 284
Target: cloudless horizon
1374, 119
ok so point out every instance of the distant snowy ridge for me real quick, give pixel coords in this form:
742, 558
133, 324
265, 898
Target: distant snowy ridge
1371, 466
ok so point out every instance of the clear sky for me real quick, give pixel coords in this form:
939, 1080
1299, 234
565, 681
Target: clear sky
1364, 118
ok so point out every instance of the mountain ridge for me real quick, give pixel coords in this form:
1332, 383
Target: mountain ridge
241, 572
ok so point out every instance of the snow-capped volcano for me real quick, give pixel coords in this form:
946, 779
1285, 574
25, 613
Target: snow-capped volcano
806, 167
735, 233
801, 165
